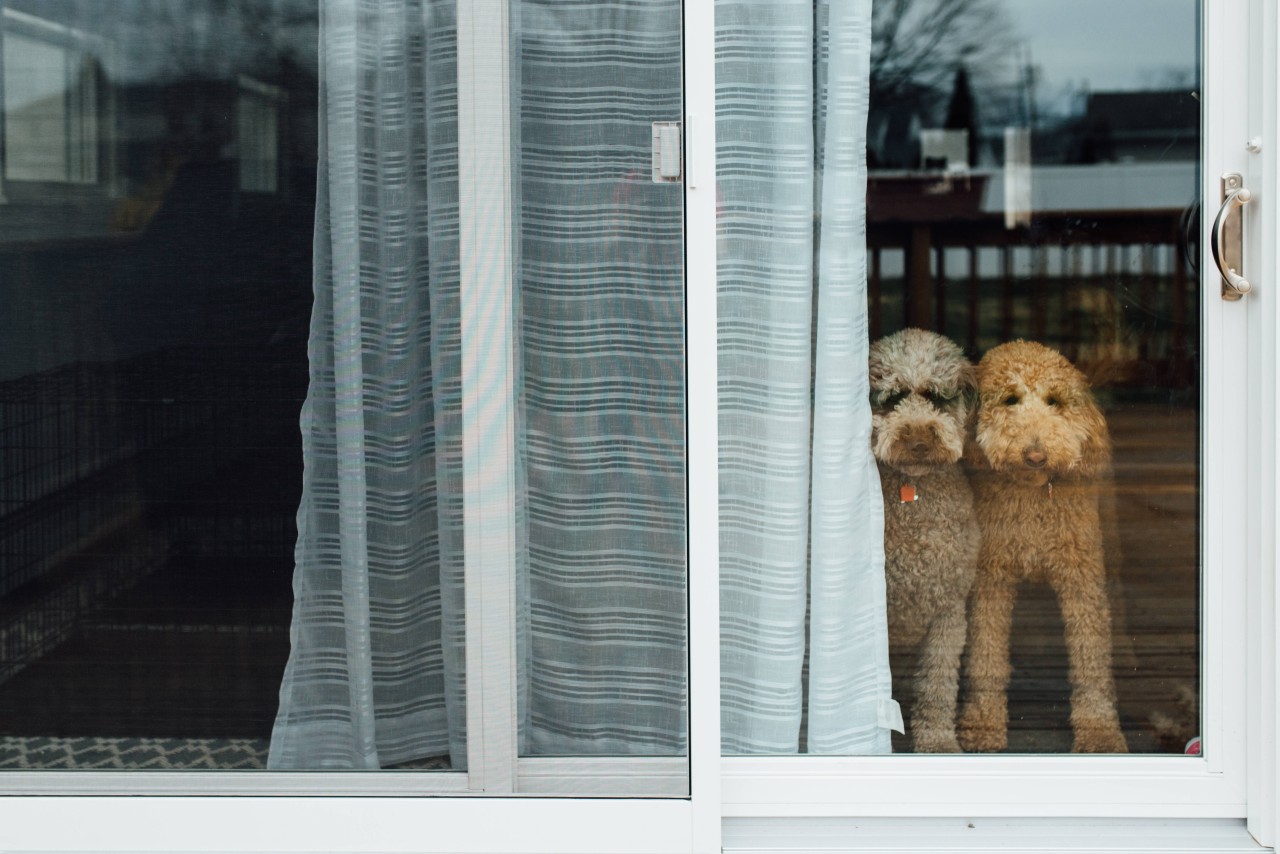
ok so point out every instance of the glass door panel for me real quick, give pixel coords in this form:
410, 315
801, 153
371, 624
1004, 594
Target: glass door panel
1029, 179
1065, 212
454, 267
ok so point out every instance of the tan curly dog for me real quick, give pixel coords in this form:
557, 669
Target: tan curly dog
1040, 455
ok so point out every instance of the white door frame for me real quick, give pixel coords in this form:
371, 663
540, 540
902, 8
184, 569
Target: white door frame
1238, 784
1262, 230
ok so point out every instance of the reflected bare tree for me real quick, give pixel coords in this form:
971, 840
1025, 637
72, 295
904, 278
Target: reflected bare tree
919, 44
922, 51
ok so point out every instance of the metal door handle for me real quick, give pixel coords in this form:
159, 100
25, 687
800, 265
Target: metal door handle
1226, 240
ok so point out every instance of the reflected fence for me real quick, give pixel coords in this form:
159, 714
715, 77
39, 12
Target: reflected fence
110, 470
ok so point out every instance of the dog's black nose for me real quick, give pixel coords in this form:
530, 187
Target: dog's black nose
920, 449
1035, 458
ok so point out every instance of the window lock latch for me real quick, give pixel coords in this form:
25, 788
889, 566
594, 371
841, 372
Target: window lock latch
667, 160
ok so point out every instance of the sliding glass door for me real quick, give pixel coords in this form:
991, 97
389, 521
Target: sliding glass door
481, 330
1053, 397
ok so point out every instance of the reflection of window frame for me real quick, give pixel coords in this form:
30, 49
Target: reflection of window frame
87, 103
259, 110
1049, 803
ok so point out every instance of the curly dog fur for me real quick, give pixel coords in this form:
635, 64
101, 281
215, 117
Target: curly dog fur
922, 386
1041, 451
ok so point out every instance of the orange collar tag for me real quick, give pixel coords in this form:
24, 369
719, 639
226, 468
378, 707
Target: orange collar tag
907, 494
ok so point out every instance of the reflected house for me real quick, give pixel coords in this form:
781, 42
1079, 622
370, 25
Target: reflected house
98, 112
1138, 127
1109, 241
70, 175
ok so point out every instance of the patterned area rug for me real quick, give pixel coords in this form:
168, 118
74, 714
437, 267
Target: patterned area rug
132, 754
152, 754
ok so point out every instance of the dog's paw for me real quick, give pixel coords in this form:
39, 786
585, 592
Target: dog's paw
981, 734
1099, 738
935, 740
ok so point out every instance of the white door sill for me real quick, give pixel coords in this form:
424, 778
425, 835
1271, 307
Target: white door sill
966, 836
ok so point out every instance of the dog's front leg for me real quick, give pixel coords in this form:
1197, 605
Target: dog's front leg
933, 720
984, 725
1081, 589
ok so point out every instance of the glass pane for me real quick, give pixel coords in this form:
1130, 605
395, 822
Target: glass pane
153, 363
1031, 177
251, 223
601, 328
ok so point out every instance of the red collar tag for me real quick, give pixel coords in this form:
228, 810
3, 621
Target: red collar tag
907, 494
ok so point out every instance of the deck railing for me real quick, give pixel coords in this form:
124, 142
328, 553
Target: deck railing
1115, 291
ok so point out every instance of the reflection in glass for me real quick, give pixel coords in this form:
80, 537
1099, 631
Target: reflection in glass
50, 116
155, 272
1044, 187
1031, 175
185, 287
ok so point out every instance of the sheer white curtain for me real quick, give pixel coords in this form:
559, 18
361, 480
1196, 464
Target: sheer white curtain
376, 677
802, 561
602, 405
376, 671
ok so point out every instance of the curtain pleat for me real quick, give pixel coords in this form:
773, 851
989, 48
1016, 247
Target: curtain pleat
765, 176
850, 706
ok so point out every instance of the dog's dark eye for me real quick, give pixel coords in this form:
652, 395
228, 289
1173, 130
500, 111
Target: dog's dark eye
938, 399
1053, 400
1012, 400
884, 400
892, 400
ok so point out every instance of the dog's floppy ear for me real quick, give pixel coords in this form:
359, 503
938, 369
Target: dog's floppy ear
1095, 455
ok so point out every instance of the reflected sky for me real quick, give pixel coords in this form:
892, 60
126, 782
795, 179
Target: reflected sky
1106, 45
156, 41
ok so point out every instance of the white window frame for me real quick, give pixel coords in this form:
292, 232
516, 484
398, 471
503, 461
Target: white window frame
890, 803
